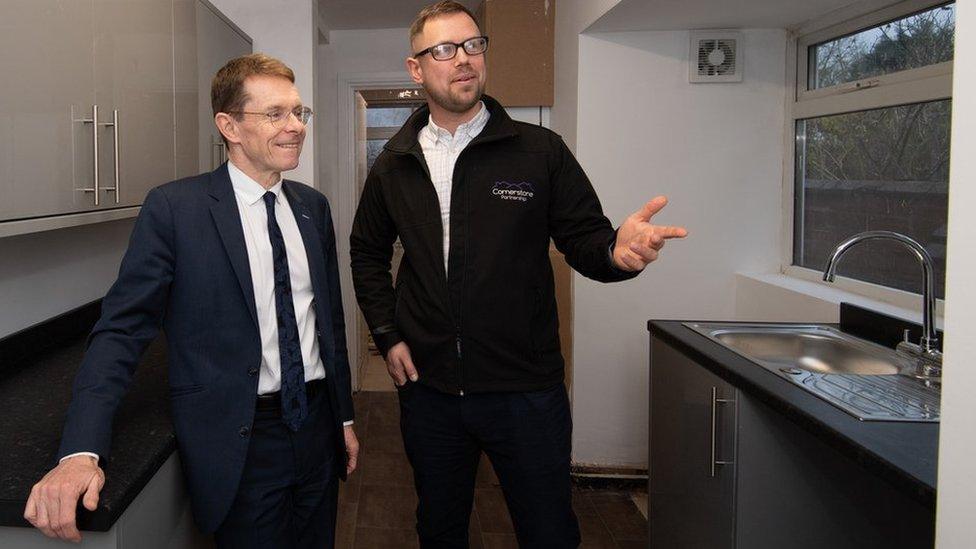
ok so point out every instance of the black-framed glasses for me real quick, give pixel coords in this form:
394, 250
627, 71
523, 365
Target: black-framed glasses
279, 117
447, 50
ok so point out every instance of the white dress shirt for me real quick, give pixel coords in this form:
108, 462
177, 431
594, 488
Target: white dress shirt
254, 221
441, 151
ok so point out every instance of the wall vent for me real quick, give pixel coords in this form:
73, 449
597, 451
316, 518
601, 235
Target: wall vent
715, 56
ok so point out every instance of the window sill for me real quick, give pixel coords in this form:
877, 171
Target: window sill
818, 297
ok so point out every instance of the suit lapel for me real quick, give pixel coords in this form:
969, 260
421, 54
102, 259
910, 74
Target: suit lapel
314, 251
228, 220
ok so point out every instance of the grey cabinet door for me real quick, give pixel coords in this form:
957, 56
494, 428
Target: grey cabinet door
794, 490
185, 77
217, 43
134, 75
45, 155
691, 498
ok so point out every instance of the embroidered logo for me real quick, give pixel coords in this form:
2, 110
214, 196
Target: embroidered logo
522, 192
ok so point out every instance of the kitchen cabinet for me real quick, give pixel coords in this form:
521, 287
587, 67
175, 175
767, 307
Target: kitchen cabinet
215, 41
692, 469
87, 109
729, 471
133, 61
218, 41
97, 95
46, 153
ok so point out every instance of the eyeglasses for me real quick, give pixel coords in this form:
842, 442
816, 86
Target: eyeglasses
447, 50
279, 117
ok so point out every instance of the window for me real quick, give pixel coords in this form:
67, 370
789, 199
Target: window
871, 121
386, 111
382, 123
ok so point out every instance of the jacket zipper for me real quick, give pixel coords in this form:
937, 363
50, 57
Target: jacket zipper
460, 385
457, 327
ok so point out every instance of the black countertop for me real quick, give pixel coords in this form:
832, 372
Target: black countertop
34, 398
905, 454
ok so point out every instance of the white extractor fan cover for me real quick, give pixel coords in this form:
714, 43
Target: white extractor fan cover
715, 56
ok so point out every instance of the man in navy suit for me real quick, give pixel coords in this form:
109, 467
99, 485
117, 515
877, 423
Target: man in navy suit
239, 268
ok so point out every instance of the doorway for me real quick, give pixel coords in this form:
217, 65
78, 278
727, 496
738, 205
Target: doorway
379, 115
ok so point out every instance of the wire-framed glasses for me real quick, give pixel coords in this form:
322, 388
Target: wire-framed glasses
279, 117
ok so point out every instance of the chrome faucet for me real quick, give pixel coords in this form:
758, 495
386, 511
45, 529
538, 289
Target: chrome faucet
927, 347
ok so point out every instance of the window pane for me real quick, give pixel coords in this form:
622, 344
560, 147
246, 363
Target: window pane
373, 149
387, 117
884, 169
915, 41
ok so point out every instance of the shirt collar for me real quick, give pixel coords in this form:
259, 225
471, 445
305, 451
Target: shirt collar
248, 189
471, 128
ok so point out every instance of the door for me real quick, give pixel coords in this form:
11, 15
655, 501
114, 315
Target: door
134, 76
691, 492
45, 147
217, 42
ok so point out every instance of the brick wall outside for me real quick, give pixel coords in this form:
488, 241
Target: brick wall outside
836, 210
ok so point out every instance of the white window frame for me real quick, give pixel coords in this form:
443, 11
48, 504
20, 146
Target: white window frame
930, 83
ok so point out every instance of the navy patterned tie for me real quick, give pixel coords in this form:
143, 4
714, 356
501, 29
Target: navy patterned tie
294, 406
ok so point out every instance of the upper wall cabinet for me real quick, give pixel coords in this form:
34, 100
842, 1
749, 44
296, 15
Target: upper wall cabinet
520, 50
46, 144
87, 115
216, 40
134, 89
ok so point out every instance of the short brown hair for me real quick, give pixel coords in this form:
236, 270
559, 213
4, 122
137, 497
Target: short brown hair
227, 92
433, 11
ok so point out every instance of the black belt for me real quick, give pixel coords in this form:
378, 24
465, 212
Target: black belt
272, 401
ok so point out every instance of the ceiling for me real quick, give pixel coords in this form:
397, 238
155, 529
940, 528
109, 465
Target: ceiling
375, 14
630, 15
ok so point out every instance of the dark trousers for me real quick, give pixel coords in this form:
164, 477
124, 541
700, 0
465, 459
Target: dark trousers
527, 438
289, 490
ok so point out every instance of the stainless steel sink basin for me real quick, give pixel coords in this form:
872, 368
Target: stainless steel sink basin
866, 380
814, 349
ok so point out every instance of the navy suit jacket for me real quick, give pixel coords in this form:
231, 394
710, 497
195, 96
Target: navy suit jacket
186, 271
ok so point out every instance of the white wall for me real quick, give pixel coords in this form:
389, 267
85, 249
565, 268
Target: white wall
572, 17
349, 55
285, 29
957, 443
716, 150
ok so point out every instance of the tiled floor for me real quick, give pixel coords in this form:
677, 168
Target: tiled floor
376, 506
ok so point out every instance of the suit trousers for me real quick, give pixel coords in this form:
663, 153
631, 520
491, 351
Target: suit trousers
288, 494
527, 438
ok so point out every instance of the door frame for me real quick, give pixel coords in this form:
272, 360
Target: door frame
345, 210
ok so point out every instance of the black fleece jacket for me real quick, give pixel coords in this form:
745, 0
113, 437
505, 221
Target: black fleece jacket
490, 322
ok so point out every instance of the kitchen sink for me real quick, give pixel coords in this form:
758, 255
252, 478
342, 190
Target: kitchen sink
871, 382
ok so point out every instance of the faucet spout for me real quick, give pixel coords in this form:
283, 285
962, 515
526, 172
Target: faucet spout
929, 338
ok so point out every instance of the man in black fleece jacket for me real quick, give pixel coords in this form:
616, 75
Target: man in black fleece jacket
470, 331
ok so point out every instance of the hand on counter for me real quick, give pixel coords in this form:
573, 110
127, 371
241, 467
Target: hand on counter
52, 502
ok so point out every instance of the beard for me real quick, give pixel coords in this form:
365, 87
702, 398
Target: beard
456, 101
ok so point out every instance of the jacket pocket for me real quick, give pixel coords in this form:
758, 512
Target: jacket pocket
543, 326
534, 324
185, 390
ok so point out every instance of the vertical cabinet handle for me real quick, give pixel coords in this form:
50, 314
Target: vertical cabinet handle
221, 149
114, 124
713, 462
94, 122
